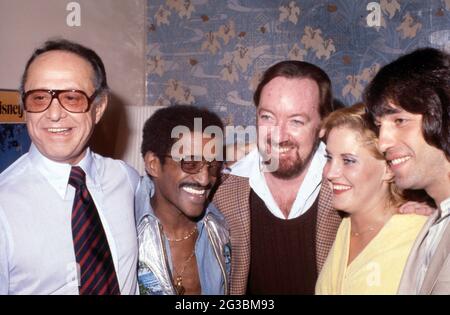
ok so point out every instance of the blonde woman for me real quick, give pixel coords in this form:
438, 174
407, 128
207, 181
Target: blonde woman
373, 240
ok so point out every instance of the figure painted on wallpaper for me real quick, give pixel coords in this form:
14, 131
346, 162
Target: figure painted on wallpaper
408, 101
355, 82
409, 27
290, 13
211, 43
296, 53
243, 56
178, 93
354, 86
66, 213
229, 71
368, 73
227, 32
156, 65
373, 242
184, 8
390, 7
162, 16
183, 239
312, 39
326, 49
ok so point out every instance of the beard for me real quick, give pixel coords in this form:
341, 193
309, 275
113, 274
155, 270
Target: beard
290, 167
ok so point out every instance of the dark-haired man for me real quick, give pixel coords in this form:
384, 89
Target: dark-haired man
66, 213
183, 240
409, 101
281, 219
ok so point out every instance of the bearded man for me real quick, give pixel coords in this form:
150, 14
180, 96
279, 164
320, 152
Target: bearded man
281, 219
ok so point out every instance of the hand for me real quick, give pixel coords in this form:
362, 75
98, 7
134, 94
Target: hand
420, 208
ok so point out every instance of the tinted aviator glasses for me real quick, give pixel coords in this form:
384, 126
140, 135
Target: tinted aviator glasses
74, 101
193, 165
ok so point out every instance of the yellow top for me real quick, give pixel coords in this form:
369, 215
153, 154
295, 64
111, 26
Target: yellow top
379, 266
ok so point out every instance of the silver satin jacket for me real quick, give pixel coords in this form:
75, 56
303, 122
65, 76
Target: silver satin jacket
212, 249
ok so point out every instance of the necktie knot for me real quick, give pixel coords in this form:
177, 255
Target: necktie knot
77, 177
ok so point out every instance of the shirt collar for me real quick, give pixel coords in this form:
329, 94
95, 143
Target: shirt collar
249, 167
57, 174
445, 207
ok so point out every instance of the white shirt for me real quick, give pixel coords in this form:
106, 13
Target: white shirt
251, 168
431, 241
36, 247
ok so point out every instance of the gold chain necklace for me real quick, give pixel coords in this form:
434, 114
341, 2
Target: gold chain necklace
356, 234
371, 228
184, 237
179, 278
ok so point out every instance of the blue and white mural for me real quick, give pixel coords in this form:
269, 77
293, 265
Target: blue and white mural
14, 141
212, 52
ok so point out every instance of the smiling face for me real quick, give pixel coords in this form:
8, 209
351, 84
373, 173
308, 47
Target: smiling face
357, 178
178, 191
415, 163
288, 123
59, 135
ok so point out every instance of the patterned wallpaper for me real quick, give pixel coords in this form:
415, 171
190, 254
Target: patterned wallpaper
212, 52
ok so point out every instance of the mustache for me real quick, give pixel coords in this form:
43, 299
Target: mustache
195, 185
287, 143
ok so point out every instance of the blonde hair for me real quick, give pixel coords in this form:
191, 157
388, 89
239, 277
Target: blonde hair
354, 118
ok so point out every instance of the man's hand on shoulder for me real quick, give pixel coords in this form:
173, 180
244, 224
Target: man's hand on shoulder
420, 208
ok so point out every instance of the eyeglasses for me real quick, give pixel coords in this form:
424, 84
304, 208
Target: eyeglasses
193, 165
74, 101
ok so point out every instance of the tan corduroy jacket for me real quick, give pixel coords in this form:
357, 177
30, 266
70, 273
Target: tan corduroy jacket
232, 199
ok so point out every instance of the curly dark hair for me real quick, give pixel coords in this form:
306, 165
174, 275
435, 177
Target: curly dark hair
419, 83
293, 69
157, 132
99, 80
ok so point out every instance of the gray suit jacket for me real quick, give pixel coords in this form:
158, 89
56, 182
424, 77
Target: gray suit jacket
437, 278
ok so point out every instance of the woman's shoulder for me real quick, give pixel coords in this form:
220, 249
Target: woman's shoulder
410, 218
408, 222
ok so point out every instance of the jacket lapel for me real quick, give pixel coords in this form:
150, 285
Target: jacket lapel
328, 221
436, 263
408, 280
232, 199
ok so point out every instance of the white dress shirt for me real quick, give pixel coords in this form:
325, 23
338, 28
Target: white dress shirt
431, 241
36, 247
251, 168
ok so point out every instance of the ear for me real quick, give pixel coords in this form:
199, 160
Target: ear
388, 174
152, 164
322, 133
100, 107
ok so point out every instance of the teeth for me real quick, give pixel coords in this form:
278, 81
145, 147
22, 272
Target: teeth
193, 191
283, 150
399, 160
56, 130
341, 187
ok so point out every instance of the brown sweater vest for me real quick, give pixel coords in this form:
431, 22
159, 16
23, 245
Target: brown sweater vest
283, 259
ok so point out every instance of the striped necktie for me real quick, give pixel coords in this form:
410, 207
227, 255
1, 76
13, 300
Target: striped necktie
96, 268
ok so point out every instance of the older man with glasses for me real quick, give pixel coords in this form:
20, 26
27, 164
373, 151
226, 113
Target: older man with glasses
183, 240
66, 213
